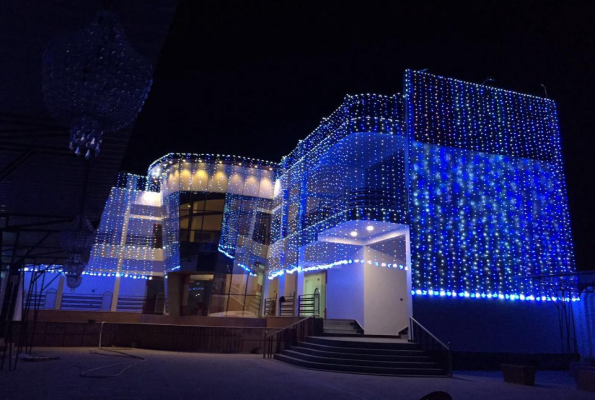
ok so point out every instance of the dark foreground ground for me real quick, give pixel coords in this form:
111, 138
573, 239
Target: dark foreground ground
167, 375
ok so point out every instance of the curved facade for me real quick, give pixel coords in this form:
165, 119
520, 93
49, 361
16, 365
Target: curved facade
200, 220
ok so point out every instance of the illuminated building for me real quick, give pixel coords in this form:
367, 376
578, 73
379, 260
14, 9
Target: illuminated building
451, 190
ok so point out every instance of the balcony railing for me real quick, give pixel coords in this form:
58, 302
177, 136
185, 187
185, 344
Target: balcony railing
115, 238
94, 302
370, 198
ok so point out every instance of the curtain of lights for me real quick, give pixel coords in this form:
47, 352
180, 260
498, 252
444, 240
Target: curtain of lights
128, 241
245, 231
474, 171
351, 168
488, 197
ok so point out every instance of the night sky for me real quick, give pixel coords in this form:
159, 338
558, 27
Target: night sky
252, 78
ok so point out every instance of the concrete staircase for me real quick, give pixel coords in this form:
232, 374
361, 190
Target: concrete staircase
341, 327
364, 356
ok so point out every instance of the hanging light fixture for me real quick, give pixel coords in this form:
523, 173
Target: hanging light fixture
77, 242
94, 81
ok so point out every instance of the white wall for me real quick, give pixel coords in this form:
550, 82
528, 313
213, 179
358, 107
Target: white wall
377, 297
290, 286
133, 287
385, 293
90, 284
385, 300
345, 292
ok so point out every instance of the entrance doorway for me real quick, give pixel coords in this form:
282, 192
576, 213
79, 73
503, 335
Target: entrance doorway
313, 300
370, 281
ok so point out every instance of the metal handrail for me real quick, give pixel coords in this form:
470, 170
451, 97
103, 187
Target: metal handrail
270, 307
429, 333
412, 336
288, 336
287, 305
315, 304
360, 326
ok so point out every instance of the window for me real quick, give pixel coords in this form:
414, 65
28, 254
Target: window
201, 215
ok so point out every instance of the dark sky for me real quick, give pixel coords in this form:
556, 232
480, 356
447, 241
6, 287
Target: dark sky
252, 78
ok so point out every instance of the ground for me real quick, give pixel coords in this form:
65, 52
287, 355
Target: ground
169, 375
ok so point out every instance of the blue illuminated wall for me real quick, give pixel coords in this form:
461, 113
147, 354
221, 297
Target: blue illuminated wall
474, 171
350, 168
488, 205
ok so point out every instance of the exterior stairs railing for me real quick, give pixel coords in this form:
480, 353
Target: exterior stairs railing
421, 336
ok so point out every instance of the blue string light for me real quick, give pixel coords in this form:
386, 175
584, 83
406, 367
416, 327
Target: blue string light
474, 172
488, 198
351, 168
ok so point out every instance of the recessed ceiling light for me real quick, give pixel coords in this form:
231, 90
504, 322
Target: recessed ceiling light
369, 228
353, 233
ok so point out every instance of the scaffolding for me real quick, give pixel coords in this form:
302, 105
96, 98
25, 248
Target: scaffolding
564, 288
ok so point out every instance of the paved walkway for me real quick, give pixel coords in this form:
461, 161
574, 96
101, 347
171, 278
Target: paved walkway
167, 375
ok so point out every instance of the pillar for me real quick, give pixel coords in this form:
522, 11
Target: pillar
59, 292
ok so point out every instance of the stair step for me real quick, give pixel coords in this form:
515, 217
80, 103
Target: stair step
340, 326
350, 327
361, 368
338, 322
339, 333
355, 350
360, 356
361, 362
366, 345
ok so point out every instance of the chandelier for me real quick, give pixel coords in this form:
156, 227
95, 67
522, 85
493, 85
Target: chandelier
94, 81
77, 242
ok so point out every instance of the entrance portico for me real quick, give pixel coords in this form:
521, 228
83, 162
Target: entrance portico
359, 270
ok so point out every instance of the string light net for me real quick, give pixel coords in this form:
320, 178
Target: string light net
488, 198
129, 241
350, 169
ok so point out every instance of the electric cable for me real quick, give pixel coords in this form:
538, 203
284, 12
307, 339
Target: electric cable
117, 353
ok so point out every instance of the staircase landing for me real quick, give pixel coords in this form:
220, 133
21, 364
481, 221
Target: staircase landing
341, 327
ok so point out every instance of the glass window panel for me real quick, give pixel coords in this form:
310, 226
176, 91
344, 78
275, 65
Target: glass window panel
198, 206
184, 223
183, 235
196, 222
212, 222
215, 205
